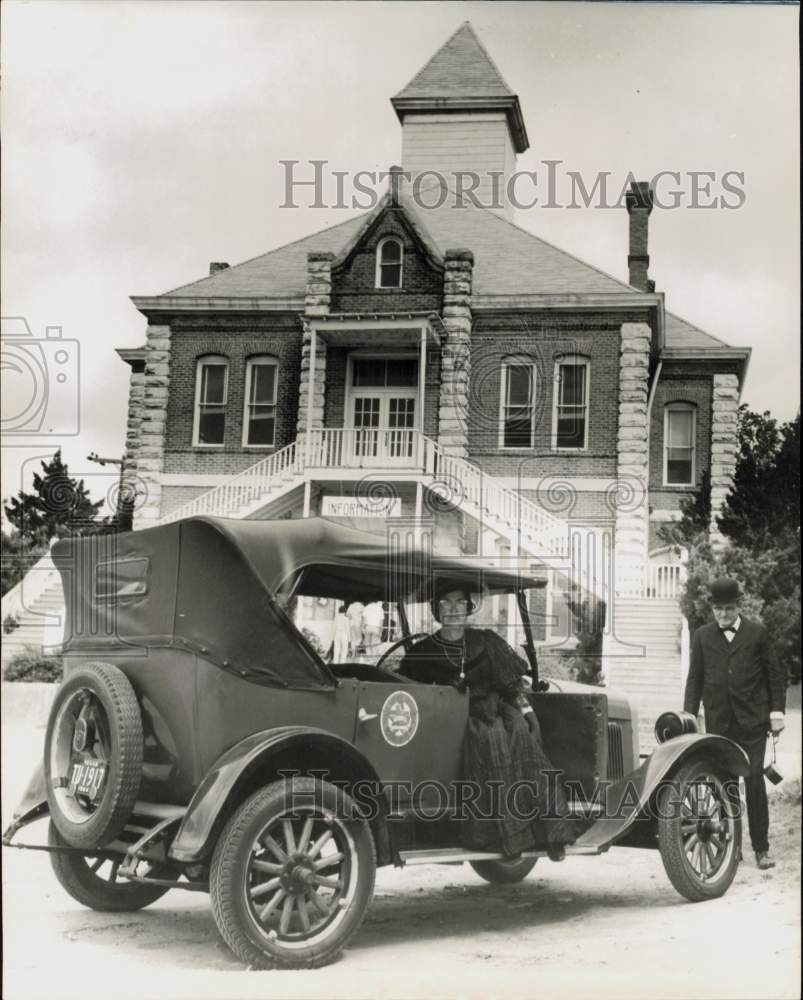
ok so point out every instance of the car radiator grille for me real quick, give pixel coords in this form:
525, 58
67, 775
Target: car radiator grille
616, 760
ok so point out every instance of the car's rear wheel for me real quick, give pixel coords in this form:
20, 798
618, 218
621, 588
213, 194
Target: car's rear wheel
93, 755
504, 871
93, 881
700, 830
292, 875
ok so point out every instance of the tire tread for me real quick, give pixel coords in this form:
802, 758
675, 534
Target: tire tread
223, 888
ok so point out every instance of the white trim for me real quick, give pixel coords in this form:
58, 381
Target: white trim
666, 516
380, 390
378, 262
680, 406
209, 359
200, 479
577, 360
259, 359
518, 361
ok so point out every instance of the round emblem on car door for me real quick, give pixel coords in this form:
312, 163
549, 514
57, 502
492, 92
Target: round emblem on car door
399, 718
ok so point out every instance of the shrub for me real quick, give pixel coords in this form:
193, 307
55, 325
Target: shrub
33, 665
9, 624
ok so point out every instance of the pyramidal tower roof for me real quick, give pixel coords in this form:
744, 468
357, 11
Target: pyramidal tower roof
461, 76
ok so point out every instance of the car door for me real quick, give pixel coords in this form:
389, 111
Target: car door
412, 734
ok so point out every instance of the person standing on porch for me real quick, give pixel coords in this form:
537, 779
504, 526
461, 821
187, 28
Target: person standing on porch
733, 669
373, 617
354, 613
342, 636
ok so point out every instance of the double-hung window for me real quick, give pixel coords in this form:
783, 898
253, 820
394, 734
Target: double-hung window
517, 428
570, 419
679, 434
211, 394
259, 419
389, 256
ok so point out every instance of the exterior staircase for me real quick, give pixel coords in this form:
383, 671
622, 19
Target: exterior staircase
39, 623
528, 528
644, 658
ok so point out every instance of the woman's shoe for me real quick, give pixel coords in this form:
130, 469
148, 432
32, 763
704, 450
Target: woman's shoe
556, 852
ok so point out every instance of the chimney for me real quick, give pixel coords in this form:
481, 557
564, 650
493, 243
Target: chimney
639, 205
217, 265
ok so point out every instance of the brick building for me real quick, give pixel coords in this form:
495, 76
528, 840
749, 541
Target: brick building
448, 369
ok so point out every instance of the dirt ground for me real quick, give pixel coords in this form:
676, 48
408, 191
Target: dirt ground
611, 926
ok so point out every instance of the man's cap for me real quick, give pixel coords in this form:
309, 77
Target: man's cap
724, 591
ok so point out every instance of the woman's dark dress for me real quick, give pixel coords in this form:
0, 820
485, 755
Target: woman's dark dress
500, 751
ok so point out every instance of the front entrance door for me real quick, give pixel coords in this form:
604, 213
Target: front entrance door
383, 409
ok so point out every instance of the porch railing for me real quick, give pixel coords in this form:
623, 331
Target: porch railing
381, 450
658, 581
384, 451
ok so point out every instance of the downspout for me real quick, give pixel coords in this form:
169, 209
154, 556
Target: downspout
650, 400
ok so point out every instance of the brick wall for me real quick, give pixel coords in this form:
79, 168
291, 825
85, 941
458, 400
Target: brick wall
542, 338
353, 284
592, 507
681, 382
237, 340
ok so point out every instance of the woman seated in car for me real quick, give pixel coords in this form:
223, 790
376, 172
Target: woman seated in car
503, 739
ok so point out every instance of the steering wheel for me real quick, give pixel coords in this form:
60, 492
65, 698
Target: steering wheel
400, 642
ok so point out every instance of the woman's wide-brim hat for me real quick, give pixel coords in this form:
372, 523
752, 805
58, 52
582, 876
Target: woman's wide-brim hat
724, 591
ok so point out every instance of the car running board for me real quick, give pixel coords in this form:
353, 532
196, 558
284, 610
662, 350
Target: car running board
456, 856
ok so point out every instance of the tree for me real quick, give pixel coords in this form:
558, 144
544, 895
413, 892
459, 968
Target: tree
761, 519
17, 558
695, 517
59, 505
764, 503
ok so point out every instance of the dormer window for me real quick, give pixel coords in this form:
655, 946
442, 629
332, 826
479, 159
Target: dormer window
389, 256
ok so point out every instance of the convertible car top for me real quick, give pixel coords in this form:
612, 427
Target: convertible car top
218, 586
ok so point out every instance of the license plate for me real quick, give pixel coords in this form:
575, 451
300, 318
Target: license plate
87, 778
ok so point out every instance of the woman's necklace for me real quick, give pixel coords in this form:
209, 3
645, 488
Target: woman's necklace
460, 663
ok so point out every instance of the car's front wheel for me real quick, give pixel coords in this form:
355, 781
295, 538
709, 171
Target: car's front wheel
93, 880
700, 830
292, 875
504, 871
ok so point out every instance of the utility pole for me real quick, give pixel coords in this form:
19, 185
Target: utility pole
125, 503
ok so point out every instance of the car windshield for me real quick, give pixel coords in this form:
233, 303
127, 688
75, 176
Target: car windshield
360, 626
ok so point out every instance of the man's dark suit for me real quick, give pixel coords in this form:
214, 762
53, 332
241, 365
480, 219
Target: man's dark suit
740, 683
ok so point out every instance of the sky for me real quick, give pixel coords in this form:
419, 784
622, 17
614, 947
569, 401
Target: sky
142, 140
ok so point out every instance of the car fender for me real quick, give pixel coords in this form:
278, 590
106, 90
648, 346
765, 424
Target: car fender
627, 800
218, 792
33, 803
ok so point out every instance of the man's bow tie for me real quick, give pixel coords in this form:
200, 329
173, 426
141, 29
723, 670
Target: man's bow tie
729, 628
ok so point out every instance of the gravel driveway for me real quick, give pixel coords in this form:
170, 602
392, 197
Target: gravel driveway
591, 927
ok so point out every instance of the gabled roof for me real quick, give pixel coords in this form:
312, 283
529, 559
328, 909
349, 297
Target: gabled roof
508, 260
682, 334
460, 68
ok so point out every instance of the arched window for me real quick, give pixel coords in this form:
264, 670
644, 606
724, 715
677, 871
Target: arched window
259, 419
211, 395
680, 425
570, 406
389, 256
517, 416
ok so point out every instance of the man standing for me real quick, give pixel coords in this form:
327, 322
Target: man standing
743, 689
354, 613
373, 617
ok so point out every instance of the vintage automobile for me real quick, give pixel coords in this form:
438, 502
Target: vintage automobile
199, 740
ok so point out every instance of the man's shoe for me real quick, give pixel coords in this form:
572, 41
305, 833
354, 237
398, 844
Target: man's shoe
764, 861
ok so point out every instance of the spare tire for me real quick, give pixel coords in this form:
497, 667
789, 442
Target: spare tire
93, 755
